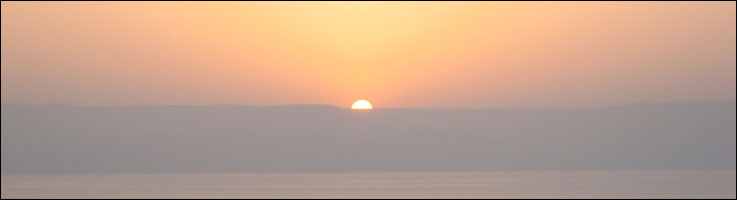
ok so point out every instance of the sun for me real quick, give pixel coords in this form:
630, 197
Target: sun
361, 105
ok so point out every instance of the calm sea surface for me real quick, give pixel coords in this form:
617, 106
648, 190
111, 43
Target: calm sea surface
520, 184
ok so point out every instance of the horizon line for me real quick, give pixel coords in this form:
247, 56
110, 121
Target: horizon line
375, 108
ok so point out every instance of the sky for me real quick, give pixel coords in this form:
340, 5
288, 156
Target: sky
394, 54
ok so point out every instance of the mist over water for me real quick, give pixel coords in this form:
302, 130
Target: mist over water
652, 150
504, 184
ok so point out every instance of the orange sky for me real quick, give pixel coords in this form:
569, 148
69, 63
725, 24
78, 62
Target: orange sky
394, 54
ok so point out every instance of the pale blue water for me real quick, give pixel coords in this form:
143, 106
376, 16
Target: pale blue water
518, 184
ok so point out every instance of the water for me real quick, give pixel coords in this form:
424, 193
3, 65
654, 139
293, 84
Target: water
517, 184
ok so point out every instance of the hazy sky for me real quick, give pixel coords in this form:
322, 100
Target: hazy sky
395, 54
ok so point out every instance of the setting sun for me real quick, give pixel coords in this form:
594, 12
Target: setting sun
362, 105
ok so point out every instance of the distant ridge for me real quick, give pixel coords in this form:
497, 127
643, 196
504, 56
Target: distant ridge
212, 105
325, 138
